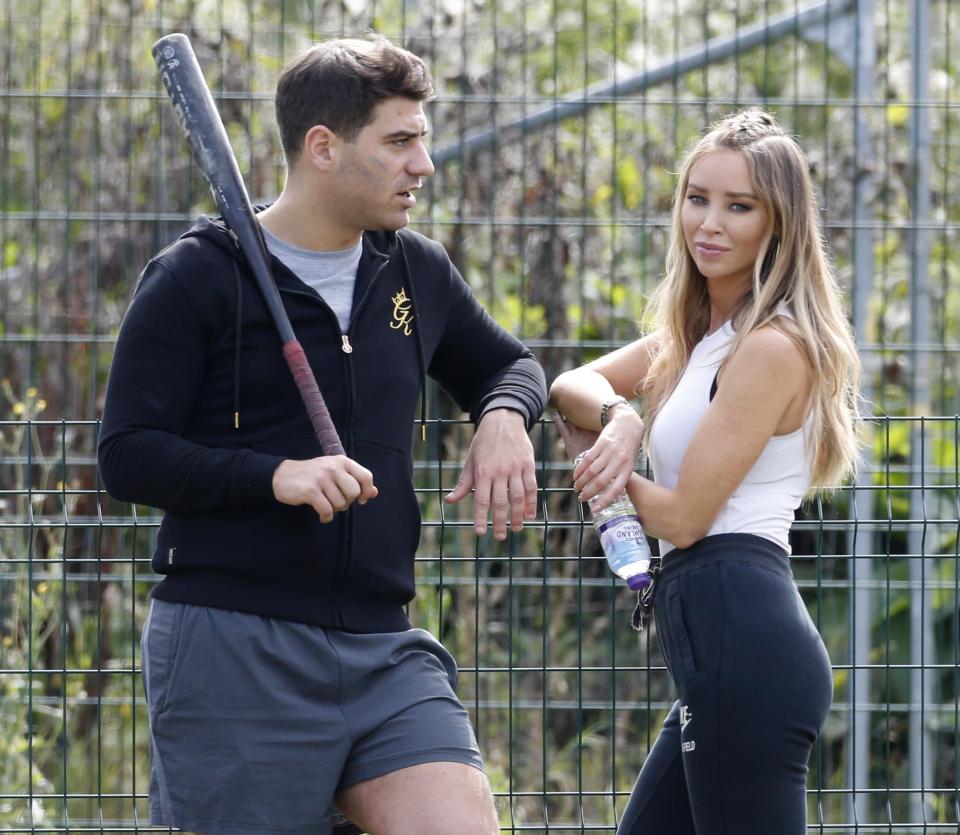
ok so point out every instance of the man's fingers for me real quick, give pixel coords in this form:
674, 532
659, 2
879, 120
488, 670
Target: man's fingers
463, 488
347, 486
339, 497
363, 477
518, 502
327, 484
501, 508
529, 478
322, 507
481, 505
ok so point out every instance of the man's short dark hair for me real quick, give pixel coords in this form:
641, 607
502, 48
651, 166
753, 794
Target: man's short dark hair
339, 83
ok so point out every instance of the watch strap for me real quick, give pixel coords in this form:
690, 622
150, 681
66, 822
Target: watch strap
607, 405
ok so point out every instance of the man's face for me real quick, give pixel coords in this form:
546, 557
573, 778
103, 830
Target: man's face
378, 172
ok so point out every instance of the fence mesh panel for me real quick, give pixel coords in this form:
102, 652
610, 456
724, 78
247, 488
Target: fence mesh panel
557, 131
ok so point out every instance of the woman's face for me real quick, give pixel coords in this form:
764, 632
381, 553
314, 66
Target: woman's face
723, 220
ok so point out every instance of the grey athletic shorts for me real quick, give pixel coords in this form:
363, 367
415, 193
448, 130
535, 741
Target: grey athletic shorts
256, 723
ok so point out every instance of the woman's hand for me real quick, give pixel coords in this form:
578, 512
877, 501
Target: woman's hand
575, 438
609, 460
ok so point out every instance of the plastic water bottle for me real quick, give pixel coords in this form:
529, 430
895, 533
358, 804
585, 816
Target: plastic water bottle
623, 540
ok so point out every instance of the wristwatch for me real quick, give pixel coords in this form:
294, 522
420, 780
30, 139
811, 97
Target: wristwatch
607, 405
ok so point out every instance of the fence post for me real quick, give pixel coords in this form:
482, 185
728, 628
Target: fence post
864, 62
922, 567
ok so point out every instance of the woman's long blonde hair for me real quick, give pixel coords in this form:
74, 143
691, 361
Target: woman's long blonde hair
792, 270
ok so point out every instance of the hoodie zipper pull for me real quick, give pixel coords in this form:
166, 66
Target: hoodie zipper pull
347, 348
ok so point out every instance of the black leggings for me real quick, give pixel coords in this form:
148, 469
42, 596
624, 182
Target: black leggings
755, 685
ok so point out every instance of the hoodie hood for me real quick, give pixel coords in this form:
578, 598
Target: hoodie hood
215, 229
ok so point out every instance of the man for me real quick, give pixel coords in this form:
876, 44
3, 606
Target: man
281, 671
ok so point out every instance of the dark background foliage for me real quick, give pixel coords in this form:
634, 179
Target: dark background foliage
560, 228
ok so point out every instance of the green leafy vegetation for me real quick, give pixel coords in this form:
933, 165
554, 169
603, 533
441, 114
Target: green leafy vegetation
562, 231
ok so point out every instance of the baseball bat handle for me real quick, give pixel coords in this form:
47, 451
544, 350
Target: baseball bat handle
312, 399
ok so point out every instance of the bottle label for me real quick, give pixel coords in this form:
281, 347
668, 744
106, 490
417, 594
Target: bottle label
622, 540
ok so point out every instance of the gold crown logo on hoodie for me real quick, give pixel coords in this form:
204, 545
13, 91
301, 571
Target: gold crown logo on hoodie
402, 317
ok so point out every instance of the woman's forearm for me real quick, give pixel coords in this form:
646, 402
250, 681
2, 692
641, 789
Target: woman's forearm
578, 395
662, 513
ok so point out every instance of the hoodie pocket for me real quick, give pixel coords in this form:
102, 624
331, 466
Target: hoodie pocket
270, 540
386, 530
308, 548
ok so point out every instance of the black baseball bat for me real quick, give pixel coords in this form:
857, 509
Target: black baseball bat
198, 116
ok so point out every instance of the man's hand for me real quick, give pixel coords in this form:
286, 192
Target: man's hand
328, 484
500, 469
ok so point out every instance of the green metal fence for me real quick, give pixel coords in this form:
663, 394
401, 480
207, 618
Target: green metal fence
557, 128
565, 696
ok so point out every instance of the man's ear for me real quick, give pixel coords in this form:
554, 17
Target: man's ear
320, 147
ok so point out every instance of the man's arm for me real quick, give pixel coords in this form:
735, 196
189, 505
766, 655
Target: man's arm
156, 376
155, 380
500, 470
494, 377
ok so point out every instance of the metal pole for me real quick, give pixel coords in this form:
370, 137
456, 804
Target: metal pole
717, 49
922, 567
863, 539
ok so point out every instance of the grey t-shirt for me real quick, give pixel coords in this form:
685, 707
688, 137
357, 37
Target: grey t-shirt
331, 274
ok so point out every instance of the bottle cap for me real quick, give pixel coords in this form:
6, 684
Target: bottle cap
638, 582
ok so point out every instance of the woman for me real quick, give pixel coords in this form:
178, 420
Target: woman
750, 386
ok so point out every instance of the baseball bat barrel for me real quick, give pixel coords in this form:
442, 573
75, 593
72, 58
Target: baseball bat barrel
201, 123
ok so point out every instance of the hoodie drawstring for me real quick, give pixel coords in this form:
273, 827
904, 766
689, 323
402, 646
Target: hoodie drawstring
236, 348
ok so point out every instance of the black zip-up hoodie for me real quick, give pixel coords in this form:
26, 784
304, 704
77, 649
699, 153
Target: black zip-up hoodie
201, 409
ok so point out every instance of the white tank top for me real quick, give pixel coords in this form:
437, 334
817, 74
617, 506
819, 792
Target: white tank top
764, 502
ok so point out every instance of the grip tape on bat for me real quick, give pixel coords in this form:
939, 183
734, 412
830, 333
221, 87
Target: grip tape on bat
309, 391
